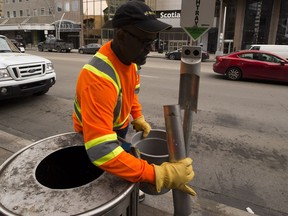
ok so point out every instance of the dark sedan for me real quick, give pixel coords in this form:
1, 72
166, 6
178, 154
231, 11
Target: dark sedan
91, 48
252, 64
176, 55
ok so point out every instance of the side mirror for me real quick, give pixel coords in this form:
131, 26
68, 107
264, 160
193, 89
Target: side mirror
283, 63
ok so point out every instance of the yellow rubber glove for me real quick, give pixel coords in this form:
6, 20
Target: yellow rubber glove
140, 124
175, 175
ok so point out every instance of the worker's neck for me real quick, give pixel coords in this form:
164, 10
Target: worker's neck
116, 49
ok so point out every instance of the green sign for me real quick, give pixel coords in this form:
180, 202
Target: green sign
196, 32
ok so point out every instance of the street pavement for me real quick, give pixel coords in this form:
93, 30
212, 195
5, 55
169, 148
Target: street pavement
160, 205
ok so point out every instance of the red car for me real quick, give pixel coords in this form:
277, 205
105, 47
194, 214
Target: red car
252, 64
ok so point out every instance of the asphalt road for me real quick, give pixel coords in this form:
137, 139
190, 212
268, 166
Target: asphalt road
239, 136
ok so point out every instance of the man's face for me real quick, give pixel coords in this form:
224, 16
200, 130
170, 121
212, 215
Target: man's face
137, 44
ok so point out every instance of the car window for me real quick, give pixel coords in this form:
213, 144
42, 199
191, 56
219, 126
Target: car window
272, 58
246, 55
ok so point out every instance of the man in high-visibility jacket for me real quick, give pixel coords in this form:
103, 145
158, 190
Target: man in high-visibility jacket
106, 96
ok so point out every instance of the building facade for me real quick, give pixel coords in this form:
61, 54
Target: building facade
237, 23
30, 21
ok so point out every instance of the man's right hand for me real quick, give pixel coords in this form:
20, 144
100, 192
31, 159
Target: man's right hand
175, 175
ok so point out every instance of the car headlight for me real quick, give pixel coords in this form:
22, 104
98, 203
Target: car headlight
4, 75
49, 66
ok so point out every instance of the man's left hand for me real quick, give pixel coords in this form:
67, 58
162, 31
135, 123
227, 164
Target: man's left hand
140, 124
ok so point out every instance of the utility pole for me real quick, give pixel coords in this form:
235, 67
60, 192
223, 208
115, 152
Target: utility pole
81, 38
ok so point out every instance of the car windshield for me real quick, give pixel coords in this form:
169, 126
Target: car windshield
7, 46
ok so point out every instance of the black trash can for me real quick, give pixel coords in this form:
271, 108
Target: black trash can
55, 177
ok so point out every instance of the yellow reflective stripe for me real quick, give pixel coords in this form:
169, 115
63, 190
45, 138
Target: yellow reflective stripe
77, 110
99, 140
105, 59
101, 74
109, 156
121, 123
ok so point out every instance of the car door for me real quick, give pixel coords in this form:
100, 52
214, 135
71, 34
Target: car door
267, 67
250, 65
275, 68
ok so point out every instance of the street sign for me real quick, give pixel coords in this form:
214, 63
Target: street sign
197, 17
195, 32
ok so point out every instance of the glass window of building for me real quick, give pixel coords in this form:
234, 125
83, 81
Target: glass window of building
8, 14
28, 12
257, 22
67, 6
35, 12
230, 24
282, 31
75, 5
59, 6
50, 10
14, 13
21, 13
42, 11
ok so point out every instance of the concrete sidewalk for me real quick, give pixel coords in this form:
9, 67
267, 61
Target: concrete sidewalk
161, 205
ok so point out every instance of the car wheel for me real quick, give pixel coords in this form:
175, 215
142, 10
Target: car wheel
40, 48
58, 49
81, 51
233, 73
172, 57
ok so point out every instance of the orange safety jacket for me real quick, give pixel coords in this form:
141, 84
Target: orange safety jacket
106, 96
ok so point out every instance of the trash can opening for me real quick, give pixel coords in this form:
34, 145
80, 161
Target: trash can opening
67, 168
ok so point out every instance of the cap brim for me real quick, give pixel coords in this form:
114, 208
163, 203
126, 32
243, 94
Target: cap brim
153, 26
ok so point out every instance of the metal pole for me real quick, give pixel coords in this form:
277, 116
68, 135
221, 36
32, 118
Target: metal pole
176, 148
218, 51
189, 87
81, 38
59, 29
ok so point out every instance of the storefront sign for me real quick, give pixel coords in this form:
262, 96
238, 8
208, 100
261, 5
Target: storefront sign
169, 14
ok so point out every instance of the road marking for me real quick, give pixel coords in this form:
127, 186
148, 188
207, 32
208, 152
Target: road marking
147, 76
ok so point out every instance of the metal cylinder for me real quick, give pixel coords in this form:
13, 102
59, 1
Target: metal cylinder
177, 151
189, 87
153, 149
55, 177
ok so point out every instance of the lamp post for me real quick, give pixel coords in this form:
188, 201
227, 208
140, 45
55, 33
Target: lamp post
59, 26
81, 38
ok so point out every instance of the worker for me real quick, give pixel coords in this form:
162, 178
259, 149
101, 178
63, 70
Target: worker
107, 95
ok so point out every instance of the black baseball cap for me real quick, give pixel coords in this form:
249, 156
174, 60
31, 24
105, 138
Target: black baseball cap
140, 15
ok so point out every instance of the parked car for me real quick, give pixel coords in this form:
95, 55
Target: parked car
91, 48
52, 43
252, 64
19, 45
176, 55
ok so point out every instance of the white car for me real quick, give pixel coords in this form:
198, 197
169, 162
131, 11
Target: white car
23, 74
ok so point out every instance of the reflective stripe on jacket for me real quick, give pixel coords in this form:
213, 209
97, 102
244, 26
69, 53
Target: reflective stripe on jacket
97, 99
101, 142
106, 70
